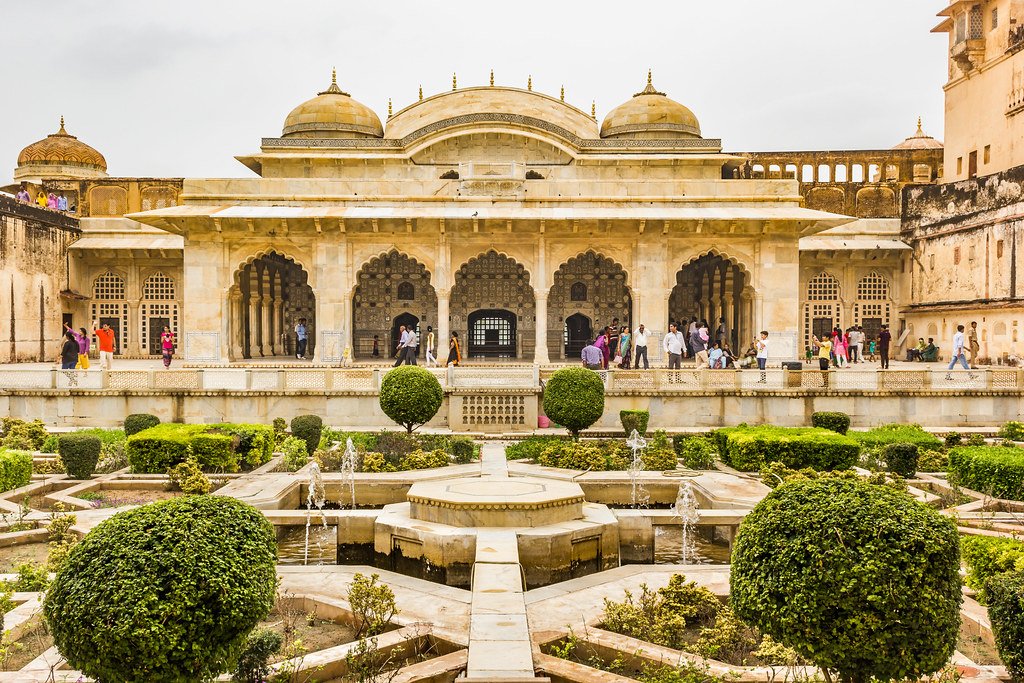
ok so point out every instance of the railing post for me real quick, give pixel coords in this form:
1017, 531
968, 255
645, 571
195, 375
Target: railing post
328, 379
376, 378
200, 380
536, 376
609, 382
248, 379
151, 379
53, 378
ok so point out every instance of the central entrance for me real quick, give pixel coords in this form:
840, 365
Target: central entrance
578, 333
411, 322
492, 334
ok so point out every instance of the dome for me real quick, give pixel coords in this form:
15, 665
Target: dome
60, 155
919, 140
332, 114
650, 114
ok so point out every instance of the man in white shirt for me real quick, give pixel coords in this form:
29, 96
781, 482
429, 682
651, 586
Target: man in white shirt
411, 347
402, 341
640, 344
958, 351
673, 344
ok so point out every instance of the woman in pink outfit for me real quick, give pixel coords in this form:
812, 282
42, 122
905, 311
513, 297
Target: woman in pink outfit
842, 343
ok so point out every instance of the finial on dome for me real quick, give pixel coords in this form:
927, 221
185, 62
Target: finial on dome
492, 78
593, 109
920, 131
649, 77
455, 82
333, 89
529, 82
649, 89
562, 94
421, 92
389, 107
62, 131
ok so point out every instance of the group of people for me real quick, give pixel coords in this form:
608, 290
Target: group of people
46, 200
845, 347
407, 347
74, 351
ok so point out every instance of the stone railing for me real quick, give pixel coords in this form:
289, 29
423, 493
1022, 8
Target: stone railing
512, 378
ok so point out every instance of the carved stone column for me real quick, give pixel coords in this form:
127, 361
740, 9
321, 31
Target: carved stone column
255, 304
540, 353
444, 324
136, 345
237, 323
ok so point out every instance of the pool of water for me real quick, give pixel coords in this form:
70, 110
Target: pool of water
668, 548
323, 544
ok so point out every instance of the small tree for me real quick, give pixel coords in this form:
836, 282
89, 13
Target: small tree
634, 419
138, 422
309, 428
372, 603
79, 453
857, 578
574, 398
165, 592
410, 395
837, 422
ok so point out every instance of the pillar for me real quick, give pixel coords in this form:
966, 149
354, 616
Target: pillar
540, 354
444, 324
269, 328
136, 345
237, 324
254, 325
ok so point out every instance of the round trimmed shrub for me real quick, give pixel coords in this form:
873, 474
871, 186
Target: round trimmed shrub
79, 453
857, 578
164, 592
308, 428
410, 395
901, 458
574, 398
634, 419
1005, 595
837, 422
137, 422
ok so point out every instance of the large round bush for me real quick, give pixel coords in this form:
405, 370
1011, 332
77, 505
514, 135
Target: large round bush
164, 592
308, 428
574, 398
410, 395
855, 577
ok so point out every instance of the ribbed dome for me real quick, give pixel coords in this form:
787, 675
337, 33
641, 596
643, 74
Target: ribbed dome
650, 114
332, 114
919, 140
60, 154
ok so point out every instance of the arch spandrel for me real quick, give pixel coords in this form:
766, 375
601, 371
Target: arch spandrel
739, 258
522, 255
248, 256
363, 255
558, 255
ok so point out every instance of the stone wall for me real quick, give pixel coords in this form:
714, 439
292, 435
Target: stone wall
33, 250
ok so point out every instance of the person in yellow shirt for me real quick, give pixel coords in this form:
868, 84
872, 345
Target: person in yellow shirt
824, 352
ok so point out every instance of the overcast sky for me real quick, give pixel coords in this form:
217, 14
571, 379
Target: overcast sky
178, 89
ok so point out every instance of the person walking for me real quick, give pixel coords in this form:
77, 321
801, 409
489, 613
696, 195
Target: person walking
688, 333
454, 354
761, 346
375, 353
301, 338
884, 339
640, 347
403, 339
431, 358
853, 345
699, 344
625, 347
673, 345
958, 352
412, 347
167, 346
107, 340
592, 357
839, 348
972, 343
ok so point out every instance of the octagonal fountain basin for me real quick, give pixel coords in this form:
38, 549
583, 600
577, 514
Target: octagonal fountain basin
556, 534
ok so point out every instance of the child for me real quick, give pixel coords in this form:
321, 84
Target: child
871, 350
346, 357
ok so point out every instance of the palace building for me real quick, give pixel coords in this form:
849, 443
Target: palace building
509, 216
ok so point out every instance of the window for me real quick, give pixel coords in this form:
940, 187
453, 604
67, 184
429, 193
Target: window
995, 18
959, 165
857, 174
970, 253
824, 173
988, 154
972, 164
975, 25
808, 173
841, 173
960, 28
406, 292
999, 249
892, 173
956, 256
578, 292
931, 261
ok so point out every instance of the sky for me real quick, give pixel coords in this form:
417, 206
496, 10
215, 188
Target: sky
178, 89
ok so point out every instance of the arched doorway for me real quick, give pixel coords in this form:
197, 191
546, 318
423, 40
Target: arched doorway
272, 295
578, 333
822, 307
411, 322
713, 287
388, 287
492, 334
593, 286
492, 304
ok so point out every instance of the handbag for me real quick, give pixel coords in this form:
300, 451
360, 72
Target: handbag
617, 359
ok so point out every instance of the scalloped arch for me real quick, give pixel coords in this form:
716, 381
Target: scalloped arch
596, 254
715, 251
496, 252
394, 251
267, 252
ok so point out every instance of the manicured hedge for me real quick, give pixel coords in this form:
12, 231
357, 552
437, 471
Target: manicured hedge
137, 422
898, 433
599, 456
165, 592
574, 398
901, 458
837, 422
988, 556
215, 446
79, 453
1012, 430
410, 395
1006, 611
634, 419
996, 471
749, 448
15, 469
855, 577
308, 428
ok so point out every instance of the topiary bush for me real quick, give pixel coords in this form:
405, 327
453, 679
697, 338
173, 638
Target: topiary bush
296, 453
988, 556
834, 421
1014, 431
213, 446
164, 592
995, 471
901, 458
424, 460
953, 439
634, 419
15, 469
308, 428
20, 435
574, 398
750, 448
531, 447
1006, 611
79, 453
463, 449
138, 422
858, 578
157, 449
897, 433
410, 395
573, 455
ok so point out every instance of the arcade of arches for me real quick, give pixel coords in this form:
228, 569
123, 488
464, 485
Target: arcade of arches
271, 294
712, 288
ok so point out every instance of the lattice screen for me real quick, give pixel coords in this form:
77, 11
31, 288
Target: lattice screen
108, 287
158, 287
874, 287
108, 302
823, 287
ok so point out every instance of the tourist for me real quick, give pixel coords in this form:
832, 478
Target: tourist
301, 338
673, 346
853, 350
376, 346
105, 337
872, 350
62, 203
82, 338
931, 352
761, 344
715, 361
431, 358
41, 200
592, 356
914, 353
728, 358
840, 346
722, 333
749, 356
958, 351
688, 333
167, 346
346, 357
412, 347
972, 344
23, 196
884, 338
454, 355
51, 201
625, 347
403, 339
69, 356
700, 343
824, 352
640, 346
613, 340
